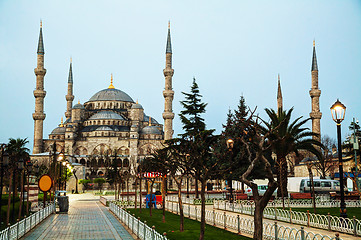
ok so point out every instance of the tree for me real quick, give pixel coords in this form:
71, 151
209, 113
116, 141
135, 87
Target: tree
85, 183
251, 159
325, 165
191, 118
288, 137
196, 145
100, 182
17, 150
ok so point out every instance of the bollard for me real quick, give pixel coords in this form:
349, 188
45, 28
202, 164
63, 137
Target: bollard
225, 220
189, 210
329, 221
337, 236
276, 231
214, 218
302, 233
308, 218
153, 235
354, 226
275, 211
238, 225
165, 235
241, 207
195, 209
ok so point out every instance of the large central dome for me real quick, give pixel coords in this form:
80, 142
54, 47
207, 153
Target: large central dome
111, 94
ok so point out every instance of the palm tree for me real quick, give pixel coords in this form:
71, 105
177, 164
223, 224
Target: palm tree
17, 150
289, 137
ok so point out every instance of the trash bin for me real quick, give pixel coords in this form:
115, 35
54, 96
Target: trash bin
63, 202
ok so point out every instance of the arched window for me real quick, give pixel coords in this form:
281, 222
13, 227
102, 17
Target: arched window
82, 161
100, 173
125, 163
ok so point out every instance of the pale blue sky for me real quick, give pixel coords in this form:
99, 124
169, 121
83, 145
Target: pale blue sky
231, 47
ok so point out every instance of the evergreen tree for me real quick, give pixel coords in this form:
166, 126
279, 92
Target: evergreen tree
191, 118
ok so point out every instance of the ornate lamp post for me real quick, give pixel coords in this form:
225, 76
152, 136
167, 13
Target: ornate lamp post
338, 115
4, 163
230, 144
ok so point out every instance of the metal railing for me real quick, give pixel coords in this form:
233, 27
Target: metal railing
139, 228
272, 231
328, 222
20, 228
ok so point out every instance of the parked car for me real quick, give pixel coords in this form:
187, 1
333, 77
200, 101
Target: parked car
321, 186
261, 191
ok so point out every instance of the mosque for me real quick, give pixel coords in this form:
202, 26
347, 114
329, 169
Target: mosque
110, 123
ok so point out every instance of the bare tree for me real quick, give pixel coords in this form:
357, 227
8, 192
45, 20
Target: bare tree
326, 165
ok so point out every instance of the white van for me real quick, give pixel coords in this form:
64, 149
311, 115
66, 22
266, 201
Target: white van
321, 186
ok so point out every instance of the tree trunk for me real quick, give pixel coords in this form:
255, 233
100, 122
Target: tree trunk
282, 178
203, 210
196, 188
127, 185
21, 194
140, 195
9, 198
163, 198
258, 221
313, 188
151, 198
180, 204
135, 193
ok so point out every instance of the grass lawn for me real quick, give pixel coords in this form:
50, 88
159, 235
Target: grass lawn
191, 227
333, 211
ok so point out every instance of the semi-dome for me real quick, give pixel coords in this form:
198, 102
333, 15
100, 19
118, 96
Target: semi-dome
58, 131
137, 106
150, 130
106, 115
78, 106
111, 94
146, 119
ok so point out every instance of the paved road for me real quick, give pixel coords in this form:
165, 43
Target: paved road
86, 219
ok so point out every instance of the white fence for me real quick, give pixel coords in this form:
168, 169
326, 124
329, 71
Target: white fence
307, 203
140, 229
240, 225
20, 228
328, 222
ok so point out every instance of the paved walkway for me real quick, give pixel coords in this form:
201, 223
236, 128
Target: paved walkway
87, 219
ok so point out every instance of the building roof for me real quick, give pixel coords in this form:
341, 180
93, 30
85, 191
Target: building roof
114, 128
137, 106
150, 130
111, 94
106, 115
58, 131
153, 121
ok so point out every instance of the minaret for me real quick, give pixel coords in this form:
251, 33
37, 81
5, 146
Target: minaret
69, 97
39, 95
168, 92
315, 97
279, 96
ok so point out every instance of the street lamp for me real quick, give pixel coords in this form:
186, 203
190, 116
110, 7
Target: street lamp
60, 159
187, 156
338, 115
230, 144
4, 163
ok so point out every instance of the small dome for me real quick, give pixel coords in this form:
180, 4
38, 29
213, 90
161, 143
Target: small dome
111, 94
137, 106
146, 119
104, 128
150, 130
78, 106
58, 131
106, 115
